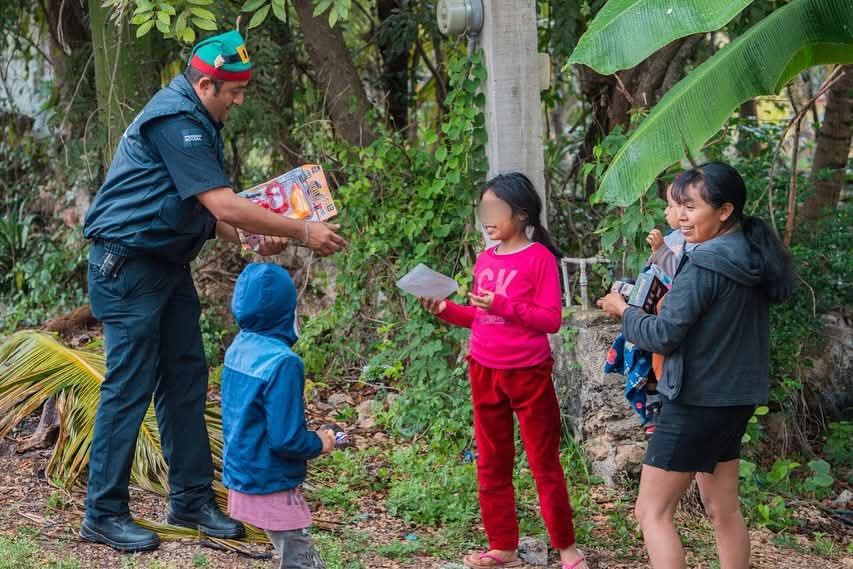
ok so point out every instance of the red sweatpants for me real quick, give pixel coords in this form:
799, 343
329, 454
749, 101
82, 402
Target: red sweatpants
529, 392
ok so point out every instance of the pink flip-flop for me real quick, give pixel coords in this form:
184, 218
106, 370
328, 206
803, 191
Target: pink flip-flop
494, 559
575, 563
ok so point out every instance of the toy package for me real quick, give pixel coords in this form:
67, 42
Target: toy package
302, 193
645, 293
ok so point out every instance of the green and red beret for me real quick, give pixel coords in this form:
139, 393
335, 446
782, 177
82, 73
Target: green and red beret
223, 56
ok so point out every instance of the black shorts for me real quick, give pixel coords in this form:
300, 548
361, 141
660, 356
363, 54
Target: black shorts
689, 438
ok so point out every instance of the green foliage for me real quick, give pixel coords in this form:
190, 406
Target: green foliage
174, 19
625, 32
42, 267
825, 545
14, 235
70, 563
623, 230
767, 494
432, 488
216, 334
799, 35
338, 9
407, 205
763, 508
18, 552
837, 447
754, 429
59, 501
344, 552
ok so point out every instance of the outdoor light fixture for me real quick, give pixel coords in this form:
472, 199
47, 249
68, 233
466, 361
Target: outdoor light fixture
457, 17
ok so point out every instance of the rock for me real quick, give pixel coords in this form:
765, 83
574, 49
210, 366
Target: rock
72, 215
337, 400
828, 383
452, 566
533, 551
391, 398
367, 413
629, 458
843, 499
594, 403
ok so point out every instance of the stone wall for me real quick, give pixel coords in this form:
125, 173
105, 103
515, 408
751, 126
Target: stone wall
828, 381
593, 403
594, 406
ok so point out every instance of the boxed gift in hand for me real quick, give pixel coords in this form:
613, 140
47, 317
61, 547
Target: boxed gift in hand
302, 193
645, 293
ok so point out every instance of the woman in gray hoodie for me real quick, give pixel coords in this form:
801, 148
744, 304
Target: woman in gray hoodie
713, 331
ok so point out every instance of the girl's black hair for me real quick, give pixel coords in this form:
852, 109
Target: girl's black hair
719, 183
518, 191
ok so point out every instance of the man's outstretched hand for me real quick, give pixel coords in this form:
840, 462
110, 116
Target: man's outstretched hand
323, 238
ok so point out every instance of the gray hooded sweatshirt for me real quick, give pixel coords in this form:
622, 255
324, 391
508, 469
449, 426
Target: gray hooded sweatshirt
713, 328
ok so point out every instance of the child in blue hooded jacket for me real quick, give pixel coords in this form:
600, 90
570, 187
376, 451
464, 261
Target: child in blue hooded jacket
267, 441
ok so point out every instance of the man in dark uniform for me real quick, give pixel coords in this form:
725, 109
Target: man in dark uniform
165, 194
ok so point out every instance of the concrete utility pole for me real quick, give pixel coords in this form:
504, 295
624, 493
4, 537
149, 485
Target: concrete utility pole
515, 74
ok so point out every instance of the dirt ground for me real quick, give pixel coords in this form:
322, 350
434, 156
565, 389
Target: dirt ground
51, 517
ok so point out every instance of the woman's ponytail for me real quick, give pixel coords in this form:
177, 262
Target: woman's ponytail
778, 271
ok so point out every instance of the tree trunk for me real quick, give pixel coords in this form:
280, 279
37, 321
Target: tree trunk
344, 95
45, 434
748, 110
832, 149
395, 48
126, 72
641, 86
642, 83
290, 152
69, 35
677, 67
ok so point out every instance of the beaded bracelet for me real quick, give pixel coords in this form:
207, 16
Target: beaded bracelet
307, 232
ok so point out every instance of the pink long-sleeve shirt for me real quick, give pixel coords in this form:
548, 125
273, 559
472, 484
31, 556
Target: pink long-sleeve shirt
527, 307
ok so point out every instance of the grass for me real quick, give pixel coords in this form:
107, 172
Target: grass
18, 552
59, 501
341, 551
70, 563
399, 550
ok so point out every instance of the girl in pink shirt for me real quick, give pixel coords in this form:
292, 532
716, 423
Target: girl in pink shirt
515, 304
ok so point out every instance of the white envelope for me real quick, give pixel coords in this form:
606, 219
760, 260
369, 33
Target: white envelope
424, 282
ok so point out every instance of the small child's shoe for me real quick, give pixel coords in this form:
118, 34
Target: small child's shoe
653, 409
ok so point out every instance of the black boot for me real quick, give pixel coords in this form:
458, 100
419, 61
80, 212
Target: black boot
209, 520
119, 532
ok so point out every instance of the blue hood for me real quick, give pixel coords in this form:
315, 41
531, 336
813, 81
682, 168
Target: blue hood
264, 302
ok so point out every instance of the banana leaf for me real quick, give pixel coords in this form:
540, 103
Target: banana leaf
799, 35
625, 32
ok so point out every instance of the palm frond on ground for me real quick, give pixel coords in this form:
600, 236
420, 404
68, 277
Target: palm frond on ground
35, 366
